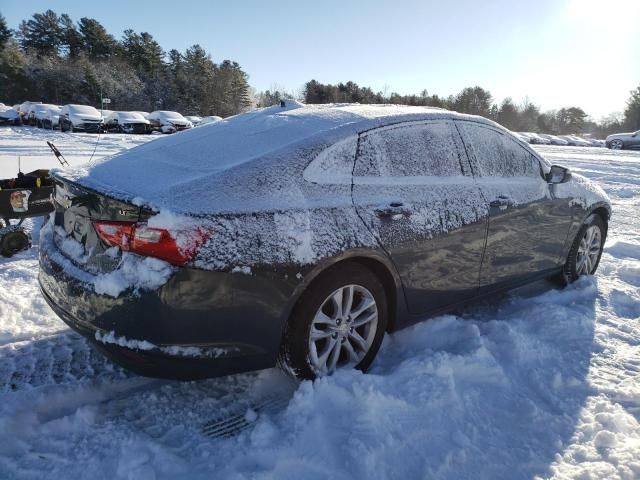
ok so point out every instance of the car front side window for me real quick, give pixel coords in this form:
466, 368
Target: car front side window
496, 154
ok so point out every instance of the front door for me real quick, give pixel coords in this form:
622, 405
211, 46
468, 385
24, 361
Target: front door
527, 224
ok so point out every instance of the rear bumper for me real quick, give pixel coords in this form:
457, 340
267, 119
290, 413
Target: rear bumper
189, 328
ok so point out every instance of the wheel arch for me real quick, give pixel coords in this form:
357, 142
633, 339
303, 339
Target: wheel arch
379, 265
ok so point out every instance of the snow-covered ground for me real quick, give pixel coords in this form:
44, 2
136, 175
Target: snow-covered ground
541, 383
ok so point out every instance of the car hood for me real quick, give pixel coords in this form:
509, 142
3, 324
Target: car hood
82, 117
584, 192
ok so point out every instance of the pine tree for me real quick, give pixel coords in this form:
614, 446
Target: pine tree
41, 34
96, 41
5, 33
632, 112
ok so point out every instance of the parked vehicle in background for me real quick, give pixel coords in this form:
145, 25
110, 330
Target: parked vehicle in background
593, 141
194, 119
29, 118
210, 119
553, 139
9, 116
620, 141
524, 136
301, 234
575, 141
126, 122
168, 122
144, 114
50, 118
82, 118
38, 111
537, 139
23, 110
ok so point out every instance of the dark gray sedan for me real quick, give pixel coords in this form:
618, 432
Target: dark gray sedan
299, 235
620, 141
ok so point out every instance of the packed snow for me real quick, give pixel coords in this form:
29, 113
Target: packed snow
539, 383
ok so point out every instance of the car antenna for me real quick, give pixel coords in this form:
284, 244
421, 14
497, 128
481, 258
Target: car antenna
59, 156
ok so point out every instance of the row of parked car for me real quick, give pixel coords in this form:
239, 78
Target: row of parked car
85, 118
547, 139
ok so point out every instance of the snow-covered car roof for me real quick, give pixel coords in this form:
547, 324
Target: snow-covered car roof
9, 113
82, 109
127, 116
167, 114
179, 171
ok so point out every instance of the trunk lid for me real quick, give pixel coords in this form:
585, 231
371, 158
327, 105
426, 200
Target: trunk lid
76, 208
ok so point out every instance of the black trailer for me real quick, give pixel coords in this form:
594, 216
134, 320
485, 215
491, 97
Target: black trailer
26, 196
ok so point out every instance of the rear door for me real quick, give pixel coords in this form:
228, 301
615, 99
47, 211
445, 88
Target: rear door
413, 187
528, 225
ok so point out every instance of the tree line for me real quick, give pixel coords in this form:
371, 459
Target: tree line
51, 58
519, 117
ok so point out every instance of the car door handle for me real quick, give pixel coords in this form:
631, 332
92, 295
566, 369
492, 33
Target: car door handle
502, 202
393, 210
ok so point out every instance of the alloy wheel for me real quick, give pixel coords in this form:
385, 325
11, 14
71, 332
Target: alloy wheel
616, 144
343, 329
589, 251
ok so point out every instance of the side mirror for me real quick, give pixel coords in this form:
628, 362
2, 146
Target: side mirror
558, 174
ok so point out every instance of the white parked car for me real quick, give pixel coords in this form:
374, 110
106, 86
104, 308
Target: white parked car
168, 122
80, 118
537, 139
554, 139
47, 116
194, 119
35, 108
127, 122
9, 116
210, 119
23, 110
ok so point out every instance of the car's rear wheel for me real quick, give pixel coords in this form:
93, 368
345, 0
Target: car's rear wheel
338, 323
13, 242
586, 250
617, 144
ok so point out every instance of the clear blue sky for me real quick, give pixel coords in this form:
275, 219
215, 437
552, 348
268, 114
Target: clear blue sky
558, 52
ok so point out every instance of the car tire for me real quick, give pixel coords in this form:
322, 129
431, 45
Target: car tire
348, 336
617, 144
593, 230
13, 242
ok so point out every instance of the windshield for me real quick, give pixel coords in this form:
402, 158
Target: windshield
83, 109
173, 115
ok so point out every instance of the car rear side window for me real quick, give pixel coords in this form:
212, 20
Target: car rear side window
496, 154
419, 149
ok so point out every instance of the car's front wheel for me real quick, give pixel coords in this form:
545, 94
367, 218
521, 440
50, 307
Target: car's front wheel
617, 144
339, 322
586, 250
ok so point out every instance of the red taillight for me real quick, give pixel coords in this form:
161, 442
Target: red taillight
115, 233
177, 247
